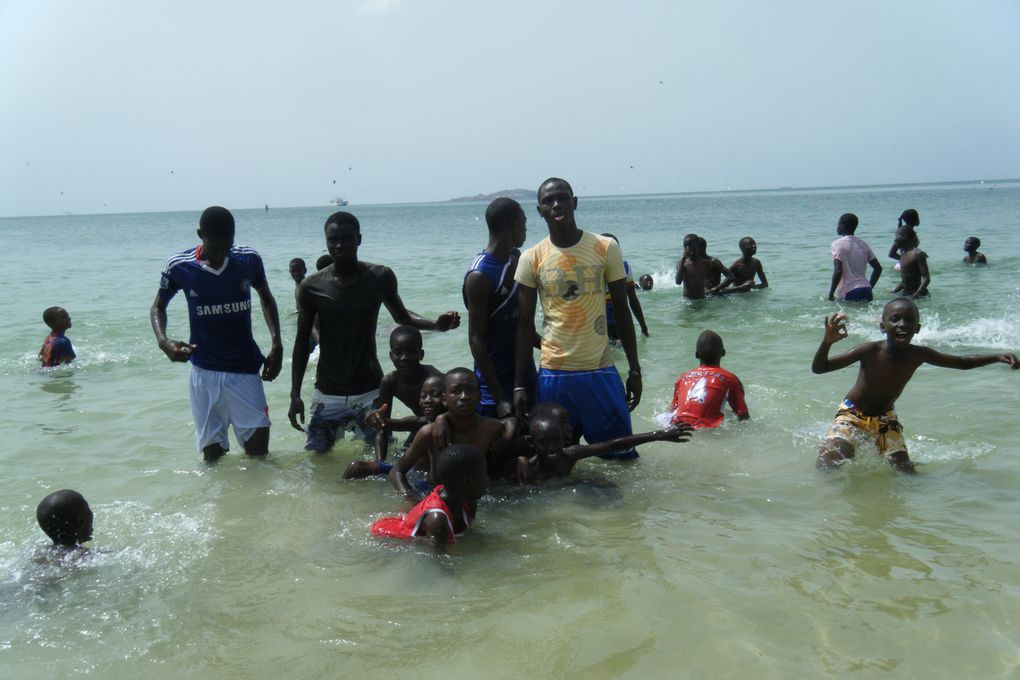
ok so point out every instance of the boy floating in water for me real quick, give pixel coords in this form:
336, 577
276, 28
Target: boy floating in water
646, 282
56, 349
446, 512
744, 270
699, 394
971, 246
914, 276
66, 518
886, 367
549, 438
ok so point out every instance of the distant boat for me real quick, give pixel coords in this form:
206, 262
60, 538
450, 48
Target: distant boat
339, 202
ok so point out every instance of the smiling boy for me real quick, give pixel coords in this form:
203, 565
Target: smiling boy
886, 368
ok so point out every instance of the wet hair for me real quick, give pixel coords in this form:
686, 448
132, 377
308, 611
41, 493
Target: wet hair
341, 218
461, 370
216, 221
49, 315
976, 240
458, 461
849, 222
544, 420
746, 239
406, 333
901, 301
709, 345
296, 260
323, 262
547, 408
60, 515
558, 181
502, 213
910, 217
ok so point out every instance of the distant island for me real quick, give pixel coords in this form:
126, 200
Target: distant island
516, 194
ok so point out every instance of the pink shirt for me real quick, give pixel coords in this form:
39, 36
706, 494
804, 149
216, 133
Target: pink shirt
855, 255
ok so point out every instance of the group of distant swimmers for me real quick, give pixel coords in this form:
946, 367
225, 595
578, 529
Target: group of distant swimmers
503, 420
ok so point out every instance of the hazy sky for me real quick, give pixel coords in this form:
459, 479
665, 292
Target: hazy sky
158, 105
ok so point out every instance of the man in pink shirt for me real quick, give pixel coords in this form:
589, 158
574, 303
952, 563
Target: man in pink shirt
850, 259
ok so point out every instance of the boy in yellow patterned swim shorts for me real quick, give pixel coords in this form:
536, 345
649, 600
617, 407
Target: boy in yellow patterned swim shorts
886, 368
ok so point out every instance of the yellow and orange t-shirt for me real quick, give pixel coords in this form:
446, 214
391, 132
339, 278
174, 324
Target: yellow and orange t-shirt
571, 285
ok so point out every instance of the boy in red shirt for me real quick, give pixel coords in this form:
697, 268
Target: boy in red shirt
699, 394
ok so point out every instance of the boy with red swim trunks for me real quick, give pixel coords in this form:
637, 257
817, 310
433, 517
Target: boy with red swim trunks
446, 512
699, 394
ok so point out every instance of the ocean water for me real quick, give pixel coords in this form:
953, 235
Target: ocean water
728, 556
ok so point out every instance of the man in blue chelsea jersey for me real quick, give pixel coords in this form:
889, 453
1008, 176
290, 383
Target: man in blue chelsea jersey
225, 386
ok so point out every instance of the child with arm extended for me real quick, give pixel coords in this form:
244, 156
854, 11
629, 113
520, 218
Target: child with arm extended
554, 456
448, 510
430, 405
886, 368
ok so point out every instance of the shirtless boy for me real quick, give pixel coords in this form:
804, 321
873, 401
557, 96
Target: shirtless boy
696, 270
744, 270
430, 406
65, 516
466, 426
448, 510
971, 246
914, 276
886, 367
554, 456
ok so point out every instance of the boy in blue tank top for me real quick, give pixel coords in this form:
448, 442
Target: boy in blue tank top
490, 295
225, 387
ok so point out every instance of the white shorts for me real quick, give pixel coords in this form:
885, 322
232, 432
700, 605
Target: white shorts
219, 399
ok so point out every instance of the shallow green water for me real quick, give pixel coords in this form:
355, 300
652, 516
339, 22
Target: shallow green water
729, 556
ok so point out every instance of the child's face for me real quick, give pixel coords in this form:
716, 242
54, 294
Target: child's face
297, 272
430, 399
970, 245
461, 394
690, 247
900, 323
646, 282
748, 247
548, 439
406, 354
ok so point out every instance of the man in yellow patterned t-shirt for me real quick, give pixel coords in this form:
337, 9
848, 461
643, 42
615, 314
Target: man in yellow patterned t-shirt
569, 272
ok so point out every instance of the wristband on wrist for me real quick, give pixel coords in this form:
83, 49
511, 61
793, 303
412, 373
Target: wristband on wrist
520, 389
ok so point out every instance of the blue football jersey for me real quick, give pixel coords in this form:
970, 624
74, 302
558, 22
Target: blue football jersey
219, 306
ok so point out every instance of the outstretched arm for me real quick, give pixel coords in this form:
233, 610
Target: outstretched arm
835, 330
274, 361
969, 361
677, 432
402, 315
625, 329
526, 300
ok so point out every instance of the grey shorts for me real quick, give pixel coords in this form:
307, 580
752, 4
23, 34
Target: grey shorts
332, 415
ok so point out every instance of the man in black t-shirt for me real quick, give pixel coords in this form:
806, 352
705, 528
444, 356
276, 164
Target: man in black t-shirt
345, 298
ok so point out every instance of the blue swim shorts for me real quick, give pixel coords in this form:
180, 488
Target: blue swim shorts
596, 401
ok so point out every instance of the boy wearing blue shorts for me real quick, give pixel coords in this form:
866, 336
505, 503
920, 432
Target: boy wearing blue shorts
569, 271
225, 385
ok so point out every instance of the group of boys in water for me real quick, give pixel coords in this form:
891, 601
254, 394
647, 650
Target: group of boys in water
503, 419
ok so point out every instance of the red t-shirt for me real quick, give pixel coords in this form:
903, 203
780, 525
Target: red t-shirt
407, 527
699, 395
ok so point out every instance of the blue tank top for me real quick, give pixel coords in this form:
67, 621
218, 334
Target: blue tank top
501, 330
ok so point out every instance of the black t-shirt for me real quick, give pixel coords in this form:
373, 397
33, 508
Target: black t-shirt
347, 321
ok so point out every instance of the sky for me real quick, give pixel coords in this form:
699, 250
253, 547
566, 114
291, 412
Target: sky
154, 106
